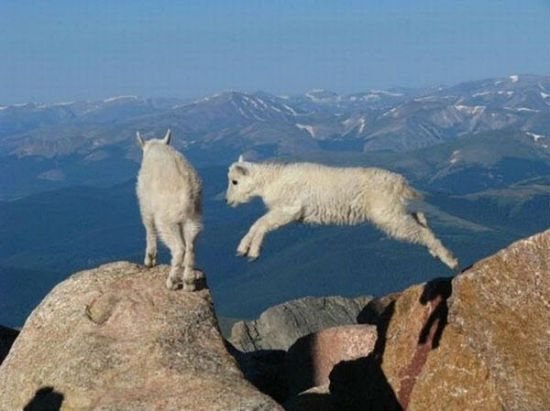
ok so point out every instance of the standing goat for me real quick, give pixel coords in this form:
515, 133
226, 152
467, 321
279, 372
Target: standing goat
169, 193
317, 194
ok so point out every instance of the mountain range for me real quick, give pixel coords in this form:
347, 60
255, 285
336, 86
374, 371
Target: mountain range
478, 150
48, 146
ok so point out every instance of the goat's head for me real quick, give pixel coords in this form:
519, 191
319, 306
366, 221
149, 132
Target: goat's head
146, 144
242, 183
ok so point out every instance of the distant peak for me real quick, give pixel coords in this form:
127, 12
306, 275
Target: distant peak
321, 95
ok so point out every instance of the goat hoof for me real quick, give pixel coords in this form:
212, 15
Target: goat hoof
173, 284
252, 257
452, 263
150, 261
190, 285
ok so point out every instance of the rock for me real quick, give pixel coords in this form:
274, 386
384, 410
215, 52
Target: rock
7, 338
116, 338
280, 326
260, 345
311, 359
478, 341
502, 307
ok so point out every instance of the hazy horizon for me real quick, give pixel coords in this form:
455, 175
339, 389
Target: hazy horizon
298, 92
68, 51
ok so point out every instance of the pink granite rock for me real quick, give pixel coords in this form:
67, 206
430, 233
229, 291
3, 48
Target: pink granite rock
311, 359
114, 338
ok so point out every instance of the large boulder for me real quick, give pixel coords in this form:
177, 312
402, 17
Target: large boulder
260, 346
478, 341
280, 326
310, 360
502, 308
116, 338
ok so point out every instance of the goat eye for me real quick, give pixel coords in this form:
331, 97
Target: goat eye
234, 182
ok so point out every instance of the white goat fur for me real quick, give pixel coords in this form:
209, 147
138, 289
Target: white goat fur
317, 194
169, 193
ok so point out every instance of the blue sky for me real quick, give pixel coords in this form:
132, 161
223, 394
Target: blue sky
65, 50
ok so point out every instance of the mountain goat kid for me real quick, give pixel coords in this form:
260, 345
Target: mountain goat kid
169, 193
317, 194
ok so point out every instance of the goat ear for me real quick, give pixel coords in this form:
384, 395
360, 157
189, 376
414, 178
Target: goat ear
167, 137
241, 159
140, 140
241, 170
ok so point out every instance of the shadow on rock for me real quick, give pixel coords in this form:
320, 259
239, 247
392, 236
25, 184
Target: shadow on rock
361, 384
46, 398
379, 312
7, 338
265, 369
436, 293
311, 400
301, 366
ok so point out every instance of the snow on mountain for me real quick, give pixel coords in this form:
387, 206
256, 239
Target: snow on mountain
522, 109
455, 157
119, 98
307, 128
536, 137
473, 110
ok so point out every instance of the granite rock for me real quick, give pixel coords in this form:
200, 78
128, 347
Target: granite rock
115, 338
